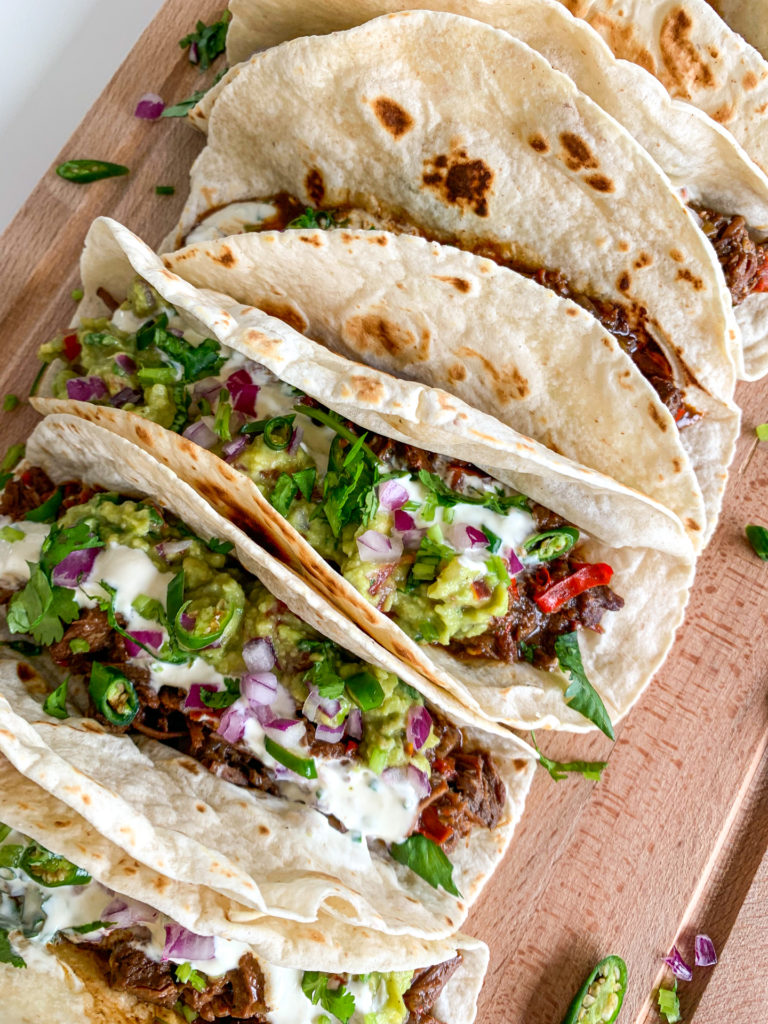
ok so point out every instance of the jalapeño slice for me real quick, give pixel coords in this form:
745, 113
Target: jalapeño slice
551, 543
365, 690
113, 694
50, 870
599, 999
83, 171
302, 766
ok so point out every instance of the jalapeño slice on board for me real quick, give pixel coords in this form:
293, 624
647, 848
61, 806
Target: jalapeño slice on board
599, 999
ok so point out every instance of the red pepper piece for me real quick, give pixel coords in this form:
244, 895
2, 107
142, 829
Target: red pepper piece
351, 747
585, 577
72, 347
761, 283
431, 826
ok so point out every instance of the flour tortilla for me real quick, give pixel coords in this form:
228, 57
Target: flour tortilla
747, 17
61, 986
696, 153
645, 544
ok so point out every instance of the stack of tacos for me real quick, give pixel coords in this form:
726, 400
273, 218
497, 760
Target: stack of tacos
410, 438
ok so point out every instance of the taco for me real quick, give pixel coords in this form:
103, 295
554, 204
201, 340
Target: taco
721, 184
488, 563
89, 934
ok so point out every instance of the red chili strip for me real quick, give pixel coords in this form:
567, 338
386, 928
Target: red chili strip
433, 828
585, 577
72, 347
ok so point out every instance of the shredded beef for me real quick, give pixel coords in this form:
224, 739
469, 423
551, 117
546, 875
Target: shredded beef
408, 456
427, 984
129, 970
744, 262
33, 488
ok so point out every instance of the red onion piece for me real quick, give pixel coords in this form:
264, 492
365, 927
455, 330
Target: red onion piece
150, 637
514, 563
125, 396
187, 621
125, 362
207, 388
85, 389
75, 567
194, 54
419, 724
125, 914
243, 392
403, 521
168, 549
678, 966
201, 433
419, 780
315, 703
705, 951
231, 449
193, 701
259, 655
149, 107
296, 437
412, 539
392, 495
232, 724
329, 734
182, 944
374, 546
355, 724
259, 688
285, 731
463, 537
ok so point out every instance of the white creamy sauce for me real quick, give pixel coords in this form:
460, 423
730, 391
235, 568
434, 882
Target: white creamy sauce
230, 220
132, 573
126, 320
14, 554
186, 675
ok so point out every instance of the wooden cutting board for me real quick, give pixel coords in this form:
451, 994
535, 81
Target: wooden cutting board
673, 840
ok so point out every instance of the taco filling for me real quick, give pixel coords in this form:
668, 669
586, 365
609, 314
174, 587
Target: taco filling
46, 901
627, 322
176, 641
743, 260
454, 557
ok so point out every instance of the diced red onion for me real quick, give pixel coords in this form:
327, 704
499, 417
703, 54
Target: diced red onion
151, 637
243, 392
419, 780
392, 495
231, 449
315, 703
75, 567
182, 944
463, 537
296, 437
328, 733
259, 687
374, 546
193, 701
355, 724
514, 563
286, 731
125, 396
419, 724
403, 521
125, 362
201, 433
705, 951
207, 388
232, 724
678, 966
194, 53
167, 549
412, 539
259, 655
85, 389
187, 621
150, 106
126, 914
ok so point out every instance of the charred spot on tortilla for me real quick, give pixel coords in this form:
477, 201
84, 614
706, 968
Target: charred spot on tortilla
678, 465
572, 311
539, 143
749, 81
263, 830
676, 255
578, 154
623, 245
315, 186
367, 389
684, 274
643, 260
225, 257
599, 183
287, 313
201, 808
460, 181
692, 524
519, 764
624, 283
395, 119
25, 672
723, 114
459, 283
681, 57
509, 384
311, 240
457, 372
657, 417
374, 332
142, 433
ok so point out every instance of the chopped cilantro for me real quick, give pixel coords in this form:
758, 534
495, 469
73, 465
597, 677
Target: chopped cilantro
305, 481
221, 698
11, 534
183, 107
93, 926
186, 974
207, 41
196, 361
581, 695
221, 547
669, 1004
494, 541
527, 651
324, 677
426, 858
62, 542
758, 538
165, 190
10, 402
500, 503
285, 490
7, 955
558, 769
55, 703
223, 415
40, 609
323, 219
338, 1001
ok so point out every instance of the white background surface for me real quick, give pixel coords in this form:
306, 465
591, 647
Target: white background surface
57, 57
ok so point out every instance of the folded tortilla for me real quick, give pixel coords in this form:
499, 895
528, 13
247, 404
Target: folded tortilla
65, 984
646, 545
699, 156
186, 823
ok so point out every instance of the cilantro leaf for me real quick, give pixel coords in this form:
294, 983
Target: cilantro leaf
558, 769
285, 490
223, 414
221, 698
55, 702
183, 107
324, 677
62, 542
196, 361
7, 955
40, 609
305, 481
758, 538
207, 41
338, 1001
323, 219
581, 695
426, 858
47, 512
500, 503
93, 926
221, 547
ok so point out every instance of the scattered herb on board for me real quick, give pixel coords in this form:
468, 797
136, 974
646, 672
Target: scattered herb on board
758, 538
165, 190
10, 402
207, 41
762, 431
559, 769
581, 695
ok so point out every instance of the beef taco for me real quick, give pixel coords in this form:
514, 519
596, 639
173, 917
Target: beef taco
90, 934
724, 188
490, 564
393, 799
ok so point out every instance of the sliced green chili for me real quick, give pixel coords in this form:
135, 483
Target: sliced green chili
113, 694
301, 765
46, 513
365, 690
551, 543
599, 999
277, 431
83, 171
49, 870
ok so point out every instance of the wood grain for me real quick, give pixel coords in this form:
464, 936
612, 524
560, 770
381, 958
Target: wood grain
672, 840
